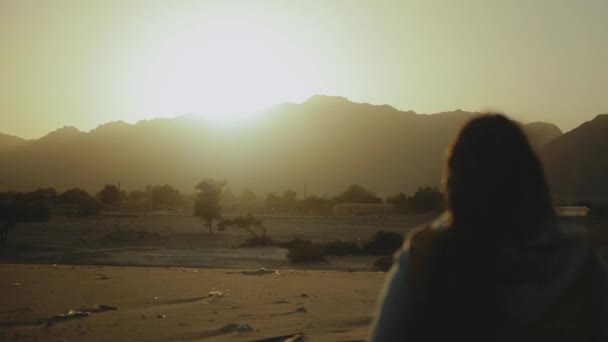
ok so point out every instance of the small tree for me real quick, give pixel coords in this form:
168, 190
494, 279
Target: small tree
162, 196
207, 203
74, 196
110, 195
357, 194
21, 207
80, 200
290, 198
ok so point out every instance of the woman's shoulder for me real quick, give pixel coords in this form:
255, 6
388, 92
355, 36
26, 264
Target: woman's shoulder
423, 238
419, 249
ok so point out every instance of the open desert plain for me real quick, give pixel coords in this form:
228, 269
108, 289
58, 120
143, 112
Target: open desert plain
164, 278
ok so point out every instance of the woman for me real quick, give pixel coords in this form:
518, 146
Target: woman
495, 266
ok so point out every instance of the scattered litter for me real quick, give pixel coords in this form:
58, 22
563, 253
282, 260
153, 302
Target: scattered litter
71, 314
74, 314
301, 309
161, 316
236, 327
15, 284
216, 294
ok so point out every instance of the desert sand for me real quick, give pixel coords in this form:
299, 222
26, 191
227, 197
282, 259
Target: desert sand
183, 304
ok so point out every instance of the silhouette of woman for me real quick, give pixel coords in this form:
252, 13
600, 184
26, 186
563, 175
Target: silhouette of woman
496, 266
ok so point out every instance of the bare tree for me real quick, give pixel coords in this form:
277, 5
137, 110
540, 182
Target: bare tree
207, 203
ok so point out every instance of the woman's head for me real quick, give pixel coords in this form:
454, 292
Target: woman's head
494, 182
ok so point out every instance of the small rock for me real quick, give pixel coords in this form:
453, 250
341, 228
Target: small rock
304, 295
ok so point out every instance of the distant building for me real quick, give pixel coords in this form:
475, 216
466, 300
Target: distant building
362, 209
572, 211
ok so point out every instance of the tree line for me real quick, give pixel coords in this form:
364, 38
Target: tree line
210, 196
210, 200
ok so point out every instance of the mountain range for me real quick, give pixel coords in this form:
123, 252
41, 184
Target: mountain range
327, 142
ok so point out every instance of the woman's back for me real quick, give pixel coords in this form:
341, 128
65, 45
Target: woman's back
497, 267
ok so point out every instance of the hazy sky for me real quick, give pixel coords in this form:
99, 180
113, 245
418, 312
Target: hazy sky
84, 62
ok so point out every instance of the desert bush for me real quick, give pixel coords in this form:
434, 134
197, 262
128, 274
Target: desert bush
304, 251
342, 248
384, 243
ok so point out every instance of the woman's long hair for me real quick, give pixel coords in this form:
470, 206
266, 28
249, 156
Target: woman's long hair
497, 198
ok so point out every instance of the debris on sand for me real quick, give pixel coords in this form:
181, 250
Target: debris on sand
295, 338
235, 327
216, 293
71, 314
101, 277
15, 284
161, 316
304, 295
301, 309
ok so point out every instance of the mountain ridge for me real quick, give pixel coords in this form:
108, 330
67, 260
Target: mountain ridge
329, 142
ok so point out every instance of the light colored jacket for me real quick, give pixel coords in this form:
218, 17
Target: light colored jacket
527, 303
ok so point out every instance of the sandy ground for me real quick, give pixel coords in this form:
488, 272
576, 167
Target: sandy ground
174, 304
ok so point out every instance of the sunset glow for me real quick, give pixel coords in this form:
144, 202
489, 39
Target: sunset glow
225, 71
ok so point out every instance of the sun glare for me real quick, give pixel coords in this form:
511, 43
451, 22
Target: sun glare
224, 71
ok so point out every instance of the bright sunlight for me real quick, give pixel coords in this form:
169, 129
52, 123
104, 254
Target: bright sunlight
224, 71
